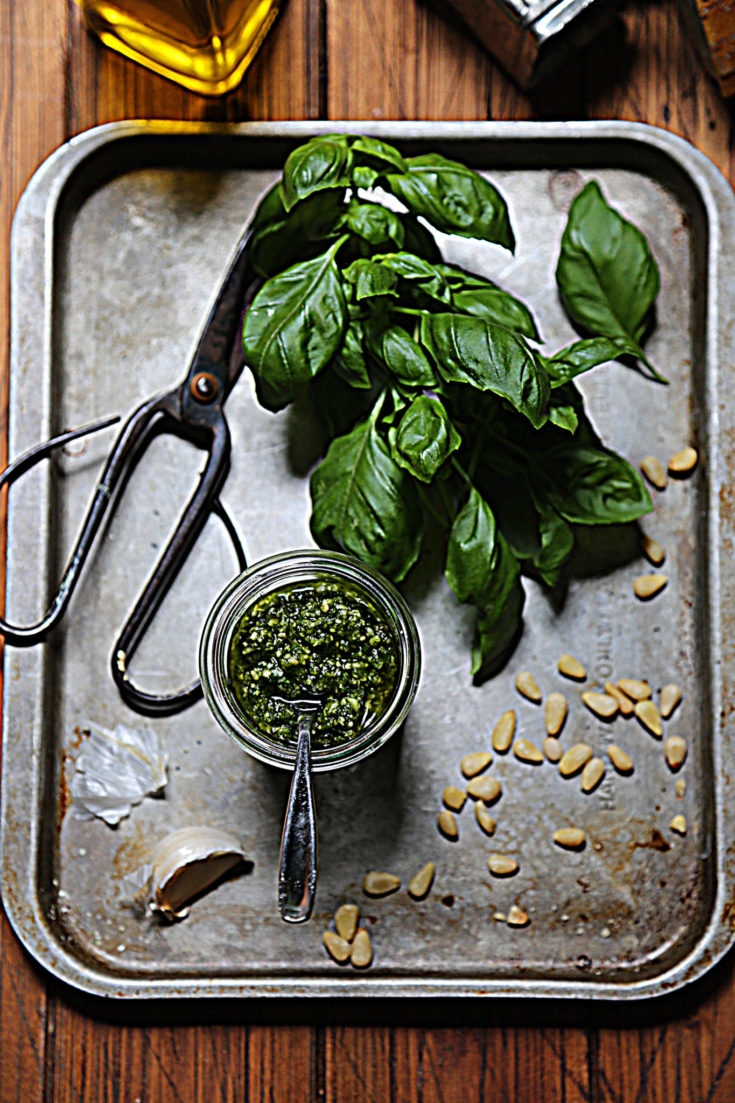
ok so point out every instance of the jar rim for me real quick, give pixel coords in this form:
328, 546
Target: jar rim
285, 570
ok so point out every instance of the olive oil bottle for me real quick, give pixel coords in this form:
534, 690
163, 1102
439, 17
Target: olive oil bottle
206, 45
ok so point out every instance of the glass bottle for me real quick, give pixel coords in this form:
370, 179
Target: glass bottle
206, 45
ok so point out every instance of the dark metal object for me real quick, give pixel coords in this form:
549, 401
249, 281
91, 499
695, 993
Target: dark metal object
192, 410
532, 38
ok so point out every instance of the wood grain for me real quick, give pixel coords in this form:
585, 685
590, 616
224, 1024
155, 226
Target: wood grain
367, 59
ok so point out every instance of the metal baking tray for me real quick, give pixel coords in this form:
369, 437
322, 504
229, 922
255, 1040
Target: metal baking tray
118, 242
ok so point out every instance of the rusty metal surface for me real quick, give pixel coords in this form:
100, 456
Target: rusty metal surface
118, 242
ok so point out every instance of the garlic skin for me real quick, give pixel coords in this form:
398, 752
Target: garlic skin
188, 862
115, 771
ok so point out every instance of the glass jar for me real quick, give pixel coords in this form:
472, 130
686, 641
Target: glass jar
299, 568
206, 45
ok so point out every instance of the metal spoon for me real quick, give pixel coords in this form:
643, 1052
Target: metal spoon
297, 865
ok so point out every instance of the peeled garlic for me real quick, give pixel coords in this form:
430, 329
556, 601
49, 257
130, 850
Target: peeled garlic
188, 862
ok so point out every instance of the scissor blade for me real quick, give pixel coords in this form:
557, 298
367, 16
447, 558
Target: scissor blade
218, 352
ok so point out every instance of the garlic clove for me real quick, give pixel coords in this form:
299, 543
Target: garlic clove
188, 862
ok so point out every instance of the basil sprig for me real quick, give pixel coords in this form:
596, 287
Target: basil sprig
428, 379
607, 276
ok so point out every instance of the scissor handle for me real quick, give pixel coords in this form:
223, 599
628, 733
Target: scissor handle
203, 501
136, 426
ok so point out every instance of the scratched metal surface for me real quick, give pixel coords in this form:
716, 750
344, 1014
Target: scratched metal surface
119, 242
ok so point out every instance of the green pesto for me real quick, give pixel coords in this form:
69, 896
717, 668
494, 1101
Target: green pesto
322, 638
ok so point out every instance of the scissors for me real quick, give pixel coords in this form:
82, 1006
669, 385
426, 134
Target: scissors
193, 410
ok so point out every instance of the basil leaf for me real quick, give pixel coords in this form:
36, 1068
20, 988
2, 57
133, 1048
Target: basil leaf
471, 294
473, 542
411, 267
537, 535
419, 240
364, 503
376, 154
323, 162
488, 357
294, 327
453, 198
297, 235
363, 177
269, 210
556, 544
482, 570
339, 404
498, 626
418, 274
606, 273
424, 438
564, 416
580, 357
589, 486
568, 403
349, 360
375, 224
370, 279
403, 357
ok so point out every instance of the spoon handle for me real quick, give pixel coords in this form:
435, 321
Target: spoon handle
297, 867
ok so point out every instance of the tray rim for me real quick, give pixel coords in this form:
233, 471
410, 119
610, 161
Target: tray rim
19, 852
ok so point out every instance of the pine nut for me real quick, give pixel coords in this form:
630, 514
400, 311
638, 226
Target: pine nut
517, 917
552, 748
650, 717
483, 817
556, 713
571, 668
500, 865
654, 471
504, 731
675, 749
654, 552
362, 950
622, 762
647, 586
671, 695
570, 837
592, 774
376, 883
421, 882
526, 685
448, 825
683, 462
454, 798
345, 920
679, 824
636, 690
337, 947
680, 787
484, 788
527, 752
603, 706
624, 702
574, 759
475, 763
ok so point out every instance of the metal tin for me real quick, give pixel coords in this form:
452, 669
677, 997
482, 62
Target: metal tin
116, 243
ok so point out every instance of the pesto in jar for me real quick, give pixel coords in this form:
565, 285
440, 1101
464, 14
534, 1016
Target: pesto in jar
321, 638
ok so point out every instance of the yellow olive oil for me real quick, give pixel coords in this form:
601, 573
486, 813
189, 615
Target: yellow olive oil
206, 45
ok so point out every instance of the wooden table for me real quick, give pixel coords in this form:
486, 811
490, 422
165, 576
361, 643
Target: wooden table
361, 59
